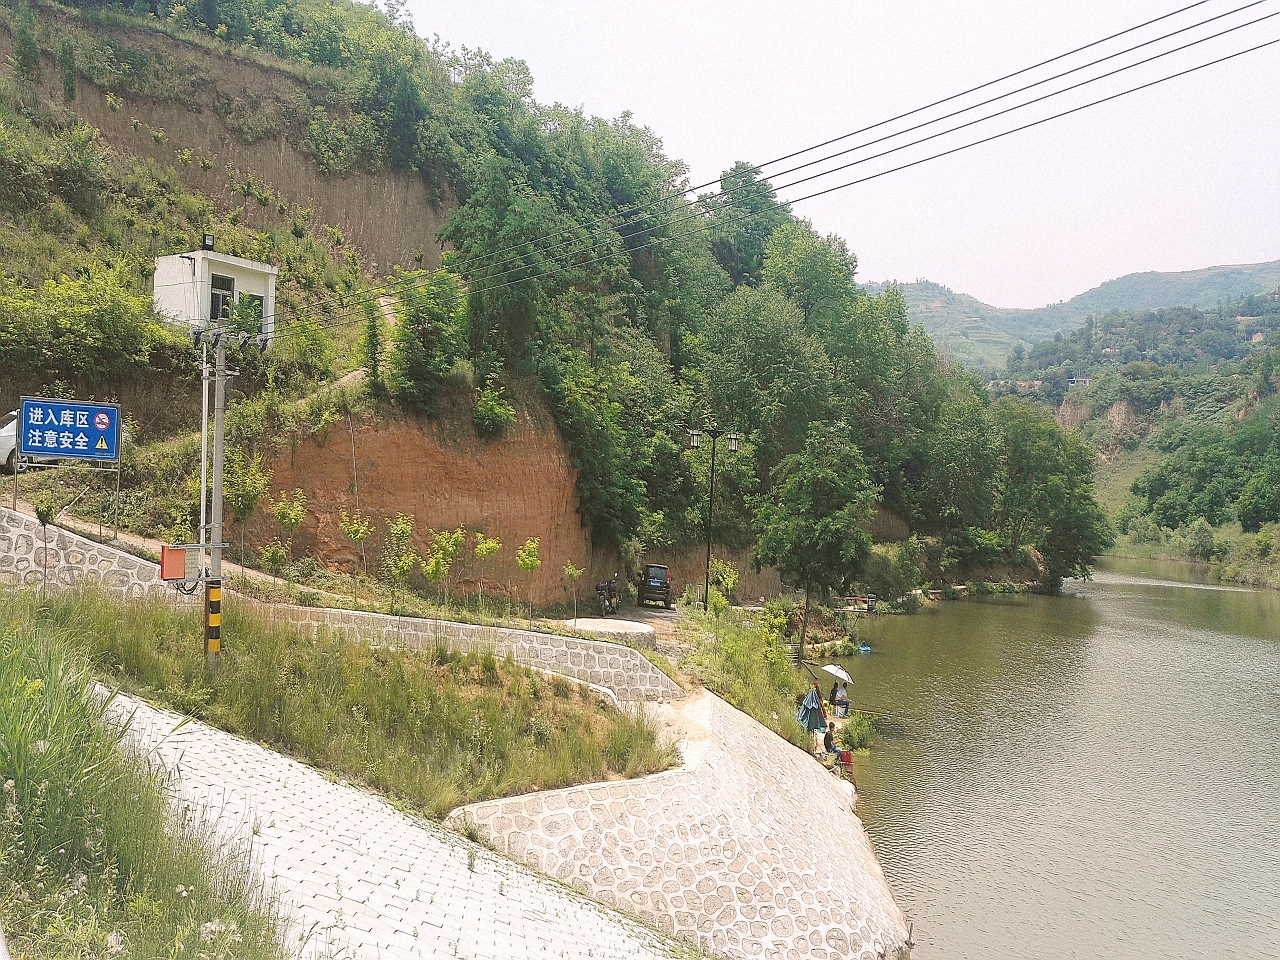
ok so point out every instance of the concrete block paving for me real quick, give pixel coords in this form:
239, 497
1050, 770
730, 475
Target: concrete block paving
359, 878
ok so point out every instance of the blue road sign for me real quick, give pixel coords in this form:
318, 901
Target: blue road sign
69, 429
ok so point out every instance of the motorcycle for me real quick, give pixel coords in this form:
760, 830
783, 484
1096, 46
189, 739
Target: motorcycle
607, 596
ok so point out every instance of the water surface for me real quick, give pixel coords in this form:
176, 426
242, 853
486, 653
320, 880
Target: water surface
1096, 775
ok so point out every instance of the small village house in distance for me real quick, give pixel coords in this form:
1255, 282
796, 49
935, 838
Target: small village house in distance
203, 285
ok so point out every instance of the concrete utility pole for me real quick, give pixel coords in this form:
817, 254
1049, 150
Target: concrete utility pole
213, 586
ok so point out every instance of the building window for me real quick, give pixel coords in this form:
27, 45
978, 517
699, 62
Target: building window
255, 303
223, 297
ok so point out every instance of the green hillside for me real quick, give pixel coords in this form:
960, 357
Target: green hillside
980, 335
1180, 404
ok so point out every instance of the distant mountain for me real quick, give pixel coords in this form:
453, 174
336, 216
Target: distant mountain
980, 335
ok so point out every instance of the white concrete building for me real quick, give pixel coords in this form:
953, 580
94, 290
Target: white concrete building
195, 287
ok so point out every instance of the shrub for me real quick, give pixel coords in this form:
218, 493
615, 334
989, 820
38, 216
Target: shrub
493, 414
856, 732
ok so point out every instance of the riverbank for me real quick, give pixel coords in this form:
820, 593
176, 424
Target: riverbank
1227, 553
751, 848
737, 766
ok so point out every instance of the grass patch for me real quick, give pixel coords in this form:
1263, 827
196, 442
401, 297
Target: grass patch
746, 662
432, 728
856, 732
91, 863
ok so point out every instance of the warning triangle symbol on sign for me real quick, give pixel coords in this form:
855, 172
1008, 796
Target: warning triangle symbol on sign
101, 444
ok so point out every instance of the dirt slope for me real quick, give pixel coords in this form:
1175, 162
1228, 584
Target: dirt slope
518, 487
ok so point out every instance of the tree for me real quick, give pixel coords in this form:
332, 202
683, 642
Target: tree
370, 348
1047, 497
445, 547
743, 215
1259, 502
357, 527
26, 49
289, 513
398, 556
765, 373
572, 574
486, 547
67, 68
960, 461
527, 557
815, 273
244, 484
431, 311
813, 526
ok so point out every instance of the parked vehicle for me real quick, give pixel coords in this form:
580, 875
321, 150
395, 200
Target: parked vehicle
607, 596
10, 460
655, 584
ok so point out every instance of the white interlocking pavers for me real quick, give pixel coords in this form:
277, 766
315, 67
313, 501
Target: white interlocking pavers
364, 880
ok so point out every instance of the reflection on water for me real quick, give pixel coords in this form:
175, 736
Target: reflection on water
1087, 776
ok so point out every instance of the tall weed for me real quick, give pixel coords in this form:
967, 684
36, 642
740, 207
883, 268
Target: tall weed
92, 861
434, 728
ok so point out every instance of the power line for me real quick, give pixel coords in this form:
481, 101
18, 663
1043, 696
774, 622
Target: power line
460, 266
483, 289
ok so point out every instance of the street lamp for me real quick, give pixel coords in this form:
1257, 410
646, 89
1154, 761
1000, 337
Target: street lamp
695, 442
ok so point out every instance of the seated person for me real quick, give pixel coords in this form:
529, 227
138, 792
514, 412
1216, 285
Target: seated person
841, 699
829, 740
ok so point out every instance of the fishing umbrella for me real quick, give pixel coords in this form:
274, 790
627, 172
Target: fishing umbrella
810, 715
838, 671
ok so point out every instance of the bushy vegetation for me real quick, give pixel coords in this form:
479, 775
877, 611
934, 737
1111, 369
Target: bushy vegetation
1197, 389
93, 861
79, 230
433, 728
747, 663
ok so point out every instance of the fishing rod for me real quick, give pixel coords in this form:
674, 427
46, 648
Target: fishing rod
860, 709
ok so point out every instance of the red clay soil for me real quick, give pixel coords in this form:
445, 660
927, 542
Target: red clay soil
518, 487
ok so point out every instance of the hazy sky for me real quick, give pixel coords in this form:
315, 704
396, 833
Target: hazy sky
1181, 176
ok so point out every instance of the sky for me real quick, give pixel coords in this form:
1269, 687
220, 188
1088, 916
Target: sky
1177, 177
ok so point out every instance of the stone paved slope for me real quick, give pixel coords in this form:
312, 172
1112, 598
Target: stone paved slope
751, 849
367, 881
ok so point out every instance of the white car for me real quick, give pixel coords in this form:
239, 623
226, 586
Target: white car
10, 460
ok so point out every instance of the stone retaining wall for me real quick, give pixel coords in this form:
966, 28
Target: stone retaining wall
72, 560
752, 849
621, 669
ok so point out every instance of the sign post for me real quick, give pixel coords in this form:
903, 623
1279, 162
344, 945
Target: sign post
51, 430
69, 430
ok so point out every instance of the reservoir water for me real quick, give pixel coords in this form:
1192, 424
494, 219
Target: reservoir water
1096, 775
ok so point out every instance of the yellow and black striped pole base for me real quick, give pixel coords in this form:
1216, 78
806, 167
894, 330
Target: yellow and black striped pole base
212, 620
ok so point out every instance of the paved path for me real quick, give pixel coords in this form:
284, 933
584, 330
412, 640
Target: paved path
367, 881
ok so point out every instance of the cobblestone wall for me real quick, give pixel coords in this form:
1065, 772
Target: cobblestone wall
621, 669
70, 560
751, 850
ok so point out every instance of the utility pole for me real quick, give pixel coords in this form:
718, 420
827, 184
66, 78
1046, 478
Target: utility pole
203, 538
213, 586
695, 442
715, 433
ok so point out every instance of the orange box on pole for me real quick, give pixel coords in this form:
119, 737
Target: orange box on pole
173, 563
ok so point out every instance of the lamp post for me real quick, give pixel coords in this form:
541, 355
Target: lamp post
695, 442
